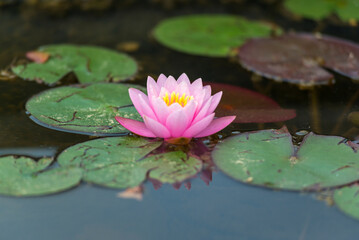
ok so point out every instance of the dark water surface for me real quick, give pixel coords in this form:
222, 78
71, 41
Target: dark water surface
225, 209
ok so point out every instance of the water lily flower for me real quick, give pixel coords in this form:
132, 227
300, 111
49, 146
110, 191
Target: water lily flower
175, 109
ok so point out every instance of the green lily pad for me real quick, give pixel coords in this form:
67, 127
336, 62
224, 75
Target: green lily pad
346, 10
209, 35
121, 162
268, 158
23, 176
347, 200
90, 64
84, 109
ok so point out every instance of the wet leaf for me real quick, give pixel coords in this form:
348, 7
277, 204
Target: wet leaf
346, 10
90, 64
249, 106
84, 109
300, 58
209, 35
268, 158
122, 162
23, 176
347, 200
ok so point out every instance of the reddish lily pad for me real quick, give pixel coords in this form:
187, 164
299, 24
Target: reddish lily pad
300, 58
249, 106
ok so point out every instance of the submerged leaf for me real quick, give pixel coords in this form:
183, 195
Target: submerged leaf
90, 64
23, 176
249, 106
268, 158
300, 58
209, 35
89, 109
122, 162
347, 200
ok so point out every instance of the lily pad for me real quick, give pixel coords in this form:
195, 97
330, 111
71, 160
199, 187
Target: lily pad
346, 10
300, 58
268, 158
249, 106
90, 64
122, 162
209, 35
84, 109
347, 200
23, 176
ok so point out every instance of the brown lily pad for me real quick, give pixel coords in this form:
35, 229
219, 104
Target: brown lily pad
301, 58
249, 106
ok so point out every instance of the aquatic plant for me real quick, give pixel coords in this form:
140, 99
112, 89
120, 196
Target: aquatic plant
175, 109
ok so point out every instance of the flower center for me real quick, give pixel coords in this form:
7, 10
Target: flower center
175, 98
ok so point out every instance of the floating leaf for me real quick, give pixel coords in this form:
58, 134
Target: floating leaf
208, 35
299, 58
122, 162
90, 64
346, 10
24, 177
268, 158
347, 199
89, 109
249, 106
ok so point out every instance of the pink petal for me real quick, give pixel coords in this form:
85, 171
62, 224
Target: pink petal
196, 86
156, 127
215, 126
176, 123
214, 103
190, 109
183, 78
161, 80
182, 88
170, 84
152, 88
145, 107
207, 90
136, 127
135, 98
203, 112
161, 109
198, 127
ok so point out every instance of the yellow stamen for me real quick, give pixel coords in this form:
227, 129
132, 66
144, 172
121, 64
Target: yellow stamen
175, 98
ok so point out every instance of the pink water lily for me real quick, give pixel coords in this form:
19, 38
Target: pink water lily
175, 109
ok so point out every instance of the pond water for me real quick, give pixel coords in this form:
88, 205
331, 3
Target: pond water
225, 209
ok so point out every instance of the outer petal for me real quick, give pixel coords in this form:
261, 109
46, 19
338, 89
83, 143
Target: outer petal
152, 88
156, 127
177, 122
146, 107
196, 86
214, 103
203, 112
198, 127
215, 126
135, 98
135, 126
